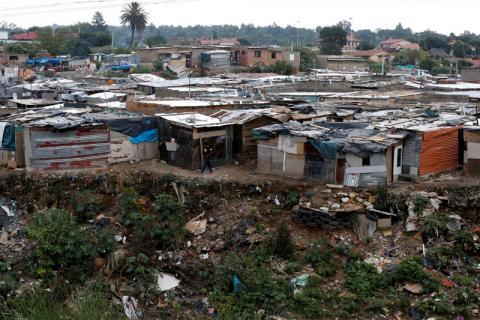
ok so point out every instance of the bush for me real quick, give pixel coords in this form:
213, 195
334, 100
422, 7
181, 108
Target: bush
412, 270
260, 288
321, 258
84, 304
282, 243
86, 204
363, 279
170, 220
60, 242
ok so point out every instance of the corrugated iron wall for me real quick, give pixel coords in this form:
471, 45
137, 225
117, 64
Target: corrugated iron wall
411, 154
440, 151
82, 148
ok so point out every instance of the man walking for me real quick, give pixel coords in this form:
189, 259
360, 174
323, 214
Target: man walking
207, 153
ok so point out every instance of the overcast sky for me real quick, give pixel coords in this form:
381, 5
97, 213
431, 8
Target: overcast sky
439, 15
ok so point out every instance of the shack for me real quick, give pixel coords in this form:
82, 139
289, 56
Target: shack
69, 139
471, 138
56, 145
354, 154
244, 121
183, 136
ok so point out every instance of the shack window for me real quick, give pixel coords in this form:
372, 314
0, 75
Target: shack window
257, 53
274, 55
399, 157
366, 161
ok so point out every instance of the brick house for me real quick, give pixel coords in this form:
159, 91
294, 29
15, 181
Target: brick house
248, 56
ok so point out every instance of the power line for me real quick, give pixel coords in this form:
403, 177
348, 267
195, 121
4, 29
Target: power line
47, 9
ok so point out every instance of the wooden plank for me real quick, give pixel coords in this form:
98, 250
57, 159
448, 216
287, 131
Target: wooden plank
208, 134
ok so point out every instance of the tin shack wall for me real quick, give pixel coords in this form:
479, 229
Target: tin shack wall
77, 149
440, 150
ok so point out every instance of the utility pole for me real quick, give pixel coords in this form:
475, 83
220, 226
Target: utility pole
113, 35
298, 33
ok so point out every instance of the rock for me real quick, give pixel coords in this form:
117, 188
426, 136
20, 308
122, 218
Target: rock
324, 209
335, 206
250, 230
326, 191
345, 200
359, 200
353, 195
219, 245
415, 288
118, 238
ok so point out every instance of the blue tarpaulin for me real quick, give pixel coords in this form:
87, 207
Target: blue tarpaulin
8, 141
145, 136
327, 149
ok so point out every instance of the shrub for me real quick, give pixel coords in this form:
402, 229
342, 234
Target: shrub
292, 199
60, 242
129, 207
170, 219
86, 205
260, 288
412, 270
363, 279
282, 243
321, 258
293, 267
91, 304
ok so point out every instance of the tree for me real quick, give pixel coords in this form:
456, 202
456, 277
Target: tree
155, 40
51, 41
308, 59
366, 45
406, 57
136, 18
99, 23
332, 38
77, 48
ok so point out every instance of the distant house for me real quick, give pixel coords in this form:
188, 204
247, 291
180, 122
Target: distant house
341, 63
227, 42
27, 36
438, 53
8, 74
248, 56
215, 61
13, 58
352, 44
374, 55
391, 45
471, 74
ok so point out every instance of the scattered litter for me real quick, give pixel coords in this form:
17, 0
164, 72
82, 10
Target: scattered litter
334, 186
236, 284
195, 226
130, 308
166, 281
415, 288
298, 283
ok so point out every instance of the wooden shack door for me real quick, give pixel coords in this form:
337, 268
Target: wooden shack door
340, 171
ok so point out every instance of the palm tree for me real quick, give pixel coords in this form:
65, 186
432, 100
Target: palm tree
136, 17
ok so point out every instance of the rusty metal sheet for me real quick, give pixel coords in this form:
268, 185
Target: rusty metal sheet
440, 151
81, 148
